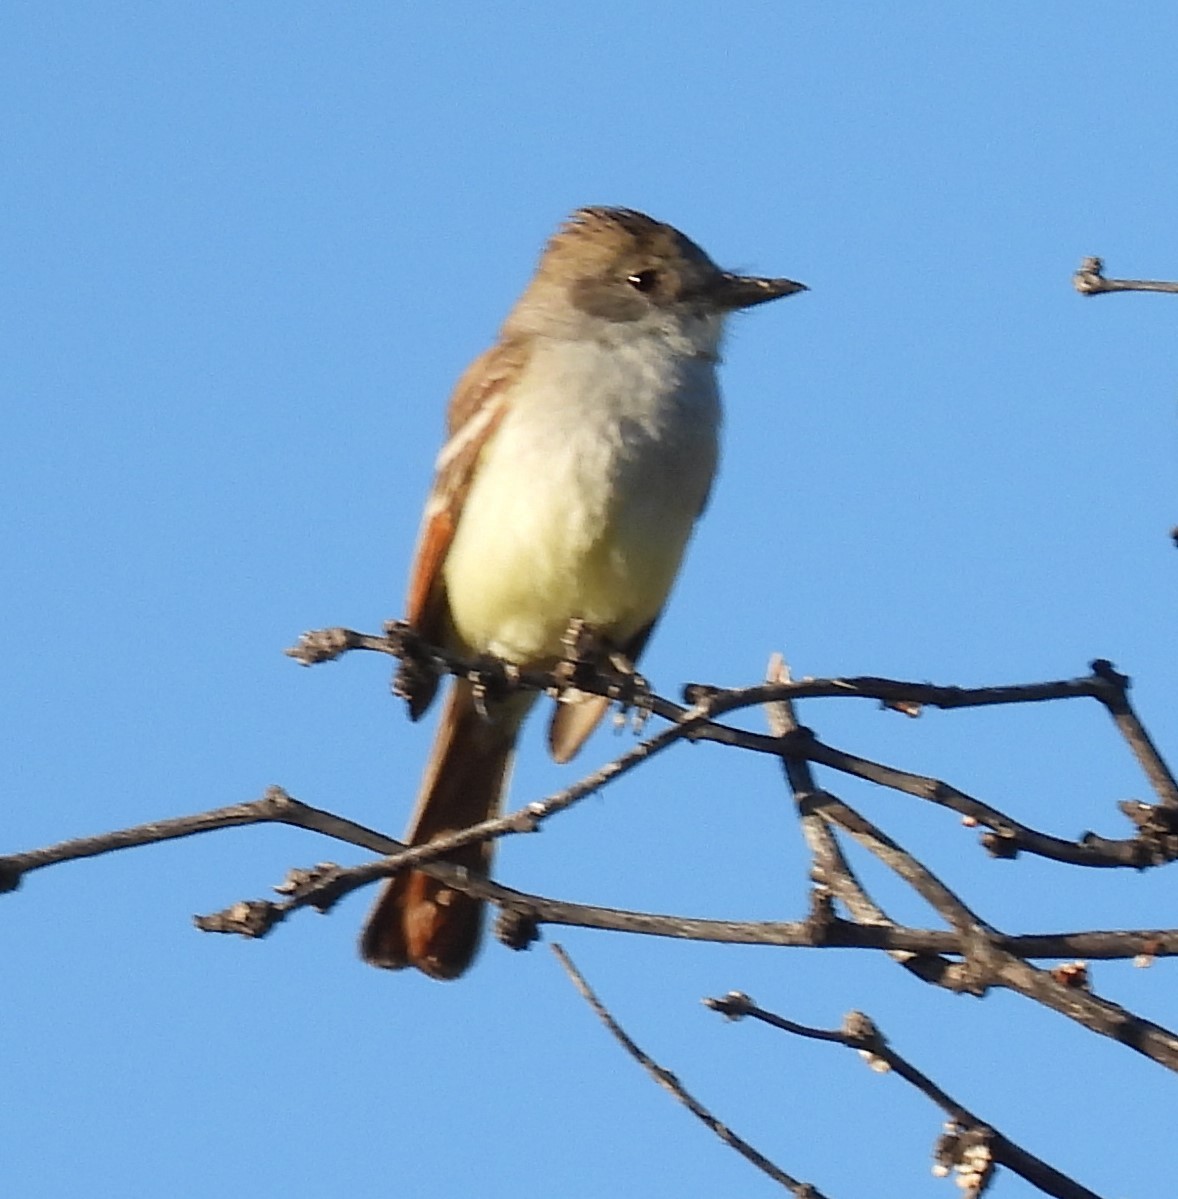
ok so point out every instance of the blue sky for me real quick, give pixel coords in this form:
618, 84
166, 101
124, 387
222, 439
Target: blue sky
247, 251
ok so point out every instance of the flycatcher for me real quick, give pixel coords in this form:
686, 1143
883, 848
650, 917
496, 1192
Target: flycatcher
581, 449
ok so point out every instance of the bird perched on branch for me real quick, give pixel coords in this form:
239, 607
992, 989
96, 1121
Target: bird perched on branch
581, 450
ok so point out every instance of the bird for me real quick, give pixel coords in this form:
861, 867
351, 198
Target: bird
581, 449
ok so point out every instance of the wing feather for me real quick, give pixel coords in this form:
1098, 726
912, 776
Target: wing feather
476, 408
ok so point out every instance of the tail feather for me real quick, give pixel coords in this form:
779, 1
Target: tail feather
572, 723
417, 920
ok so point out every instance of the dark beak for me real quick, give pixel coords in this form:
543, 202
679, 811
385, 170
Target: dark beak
730, 292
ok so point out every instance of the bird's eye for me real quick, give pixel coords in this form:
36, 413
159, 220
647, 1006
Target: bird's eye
643, 280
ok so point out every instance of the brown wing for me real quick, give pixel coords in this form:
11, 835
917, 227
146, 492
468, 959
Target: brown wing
476, 408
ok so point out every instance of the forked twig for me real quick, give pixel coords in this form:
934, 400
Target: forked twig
972, 1146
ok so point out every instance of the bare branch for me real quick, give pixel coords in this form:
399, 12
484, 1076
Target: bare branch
324, 888
903, 694
927, 885
831, 870
319, 888
275, 807
399, 641
1089, 280
1115, 697
1104, 684
989, 956
959, 1150
670, 1083
1008, 837
989, 964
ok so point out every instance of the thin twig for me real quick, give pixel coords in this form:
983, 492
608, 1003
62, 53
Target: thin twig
860, 1033
831, 869
708, 703
1115, 697
927, 885
1089, 280
277, 806
1008, 837
989, 964
323, 645
317, 890
873, 930
274, 807
670, 1083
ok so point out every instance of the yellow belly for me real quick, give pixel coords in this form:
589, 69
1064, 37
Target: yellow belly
576, 513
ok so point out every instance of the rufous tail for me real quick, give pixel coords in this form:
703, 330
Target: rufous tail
418, 921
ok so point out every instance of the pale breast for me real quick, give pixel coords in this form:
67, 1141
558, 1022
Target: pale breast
584, 499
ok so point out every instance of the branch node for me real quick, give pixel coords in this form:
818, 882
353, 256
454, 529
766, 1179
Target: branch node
527, 820
796, 741
319, 645
733, 1006
862, 1032
968, 1152
317, 878
1089, 279
1072, 974
517, 928
1104, 670
1003, 846
822, 918
10, 876
1157, 831
981, 962
246, 918
277, 802
699, 695
1150, 818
